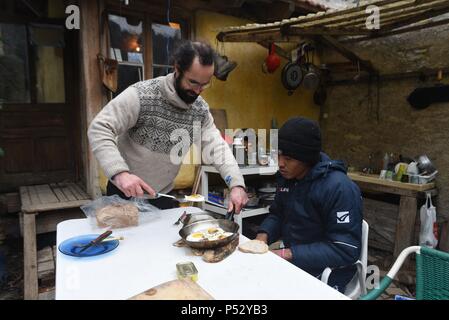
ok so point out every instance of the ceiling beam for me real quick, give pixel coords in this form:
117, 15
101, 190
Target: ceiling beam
298, 31
267, 35
421, 26
348, 54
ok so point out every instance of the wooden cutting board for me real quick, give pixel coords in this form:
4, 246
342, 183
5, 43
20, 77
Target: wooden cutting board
174, 290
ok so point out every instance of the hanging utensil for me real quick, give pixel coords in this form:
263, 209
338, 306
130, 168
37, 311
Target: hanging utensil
292, 76
273, 61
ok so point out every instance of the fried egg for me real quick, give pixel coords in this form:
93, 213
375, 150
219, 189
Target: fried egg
210, 234
196, 236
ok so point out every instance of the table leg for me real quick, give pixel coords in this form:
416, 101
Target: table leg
405, 228
30, 257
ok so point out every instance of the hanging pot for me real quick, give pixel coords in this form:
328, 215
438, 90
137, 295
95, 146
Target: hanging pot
292, 76
311, 79
273, 61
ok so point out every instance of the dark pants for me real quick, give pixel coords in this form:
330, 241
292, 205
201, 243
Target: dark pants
161, 203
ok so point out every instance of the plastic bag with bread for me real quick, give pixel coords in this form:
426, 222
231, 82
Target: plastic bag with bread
114, 212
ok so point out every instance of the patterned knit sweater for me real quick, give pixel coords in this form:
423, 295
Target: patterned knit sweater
140, 131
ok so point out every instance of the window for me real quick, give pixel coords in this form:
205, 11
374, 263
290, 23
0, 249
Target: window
128, 47
47, 51
164, 41
14, 68
31, 63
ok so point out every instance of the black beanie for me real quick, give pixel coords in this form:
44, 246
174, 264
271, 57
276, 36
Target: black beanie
300, 139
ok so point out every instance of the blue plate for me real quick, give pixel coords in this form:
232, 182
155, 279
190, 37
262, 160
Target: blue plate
72, 246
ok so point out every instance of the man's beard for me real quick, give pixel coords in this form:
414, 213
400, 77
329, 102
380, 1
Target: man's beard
188, 96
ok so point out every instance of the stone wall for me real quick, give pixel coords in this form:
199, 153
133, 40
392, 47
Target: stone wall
354, 126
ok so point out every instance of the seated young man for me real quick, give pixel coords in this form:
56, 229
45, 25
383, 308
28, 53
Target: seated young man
317, 211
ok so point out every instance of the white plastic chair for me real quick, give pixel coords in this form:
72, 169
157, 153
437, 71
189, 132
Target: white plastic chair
356, 287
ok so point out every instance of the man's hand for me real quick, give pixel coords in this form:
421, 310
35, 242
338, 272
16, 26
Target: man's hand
131, 185
262, 237
284, 254
237, 199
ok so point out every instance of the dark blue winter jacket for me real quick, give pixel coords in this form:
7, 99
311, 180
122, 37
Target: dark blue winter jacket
320, 219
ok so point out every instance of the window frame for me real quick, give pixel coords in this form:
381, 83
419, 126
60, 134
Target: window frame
149, 17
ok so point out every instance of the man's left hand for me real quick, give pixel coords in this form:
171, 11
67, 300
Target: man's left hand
283, 253
237, 199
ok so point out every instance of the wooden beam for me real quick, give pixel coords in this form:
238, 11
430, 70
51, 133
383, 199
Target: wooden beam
386, 14
30, 281
391, 76
268, 35
298, 31
415, 18
406, 224
333, 43
91, 86
381, 34
349, 14
323, 19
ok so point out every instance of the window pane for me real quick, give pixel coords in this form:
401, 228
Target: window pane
35, 8
50, 83
164, 40
128, 75
161, 71
48, 53
126, 39
14, 79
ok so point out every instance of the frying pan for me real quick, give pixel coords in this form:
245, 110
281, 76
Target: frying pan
292, 76
226, 224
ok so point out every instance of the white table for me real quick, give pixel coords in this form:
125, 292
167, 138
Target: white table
146, 258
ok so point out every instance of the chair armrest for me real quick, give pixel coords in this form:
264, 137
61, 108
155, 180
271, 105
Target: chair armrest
361, 274
375, 293
325, 275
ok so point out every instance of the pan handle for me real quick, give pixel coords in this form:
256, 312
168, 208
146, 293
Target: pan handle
230, 215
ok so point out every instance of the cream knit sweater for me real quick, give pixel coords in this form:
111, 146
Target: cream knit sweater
135, 132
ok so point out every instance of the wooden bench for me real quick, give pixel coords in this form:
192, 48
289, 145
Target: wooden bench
408, 205
52, 202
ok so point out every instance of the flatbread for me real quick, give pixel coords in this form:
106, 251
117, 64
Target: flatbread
254, 246
118, 216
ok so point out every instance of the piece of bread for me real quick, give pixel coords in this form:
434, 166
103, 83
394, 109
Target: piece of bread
118, 216
254, 246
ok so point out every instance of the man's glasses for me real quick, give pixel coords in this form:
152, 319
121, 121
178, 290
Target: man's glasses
196, 85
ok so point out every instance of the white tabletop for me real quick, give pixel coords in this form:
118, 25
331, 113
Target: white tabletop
147, 258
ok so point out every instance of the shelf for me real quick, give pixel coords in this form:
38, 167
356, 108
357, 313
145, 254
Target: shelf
260, 170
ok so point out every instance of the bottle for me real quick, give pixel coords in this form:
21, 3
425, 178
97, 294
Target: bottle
386, 161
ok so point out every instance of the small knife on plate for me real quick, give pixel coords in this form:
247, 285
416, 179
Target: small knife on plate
97, 240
